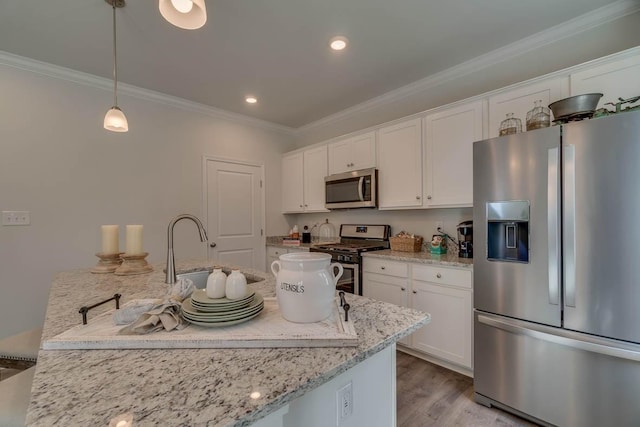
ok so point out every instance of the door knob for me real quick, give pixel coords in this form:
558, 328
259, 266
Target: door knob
213, 245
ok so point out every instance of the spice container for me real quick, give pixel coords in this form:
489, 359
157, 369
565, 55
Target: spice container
510, 125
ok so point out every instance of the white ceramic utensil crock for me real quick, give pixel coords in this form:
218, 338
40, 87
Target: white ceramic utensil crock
305, 285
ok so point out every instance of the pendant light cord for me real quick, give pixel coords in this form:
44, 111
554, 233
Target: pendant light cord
115, 59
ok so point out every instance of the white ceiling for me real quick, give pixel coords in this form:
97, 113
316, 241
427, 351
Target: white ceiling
277, 49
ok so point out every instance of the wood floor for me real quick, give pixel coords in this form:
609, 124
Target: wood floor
429, 395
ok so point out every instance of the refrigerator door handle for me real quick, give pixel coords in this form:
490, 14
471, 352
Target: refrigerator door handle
553, 237
569, 225
560, 337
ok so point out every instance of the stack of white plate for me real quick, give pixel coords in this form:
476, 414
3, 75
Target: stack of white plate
204, 311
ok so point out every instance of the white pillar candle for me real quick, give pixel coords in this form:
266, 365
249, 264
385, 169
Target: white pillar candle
110, 242
134, 240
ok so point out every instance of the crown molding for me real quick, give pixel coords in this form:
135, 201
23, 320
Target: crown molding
86, 79
567, 29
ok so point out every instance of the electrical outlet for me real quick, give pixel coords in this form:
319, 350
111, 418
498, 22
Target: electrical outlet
16, 218
344, 399
439, 228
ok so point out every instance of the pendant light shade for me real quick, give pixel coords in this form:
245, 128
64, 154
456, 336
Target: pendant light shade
115, 120
187, 14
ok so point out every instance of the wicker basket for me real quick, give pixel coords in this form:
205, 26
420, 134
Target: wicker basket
406, 244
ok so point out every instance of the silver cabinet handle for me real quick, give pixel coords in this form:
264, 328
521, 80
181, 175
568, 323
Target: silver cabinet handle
561, 337
429, 197
301, 206
415, 292
213, 245
553, 237
403, 289
569, 226
439, 276
306, 206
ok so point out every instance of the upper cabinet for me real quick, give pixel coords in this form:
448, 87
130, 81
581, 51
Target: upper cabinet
520, 101
449, 138
358, 152
619, 79
400, 165
303, 181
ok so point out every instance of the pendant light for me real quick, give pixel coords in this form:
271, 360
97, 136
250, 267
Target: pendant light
187, 14
115, 119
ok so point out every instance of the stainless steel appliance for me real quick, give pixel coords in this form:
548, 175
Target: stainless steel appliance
556, 272
465, 239
354, 240
356, 189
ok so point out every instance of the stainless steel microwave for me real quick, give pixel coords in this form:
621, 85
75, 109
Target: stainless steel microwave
356, 189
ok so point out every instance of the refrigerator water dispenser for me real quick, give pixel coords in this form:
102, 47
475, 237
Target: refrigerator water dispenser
508, 231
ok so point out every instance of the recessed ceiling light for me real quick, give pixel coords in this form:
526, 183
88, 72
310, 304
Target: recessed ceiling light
338, 43
251, 99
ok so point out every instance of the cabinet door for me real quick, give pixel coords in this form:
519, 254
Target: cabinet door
292, 183
448, 335
520, 101
614, 80
449, 154
363, 151
400, 165
339, 157
315, 169
389, 289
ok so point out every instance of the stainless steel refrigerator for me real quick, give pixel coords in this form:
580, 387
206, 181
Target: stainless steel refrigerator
556, 217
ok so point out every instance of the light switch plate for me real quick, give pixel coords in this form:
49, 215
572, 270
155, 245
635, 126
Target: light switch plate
16, 218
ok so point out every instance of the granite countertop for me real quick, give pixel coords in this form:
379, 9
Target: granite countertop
186, 386
276, 241
448, 259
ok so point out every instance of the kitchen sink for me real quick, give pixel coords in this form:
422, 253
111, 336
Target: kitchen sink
199, 278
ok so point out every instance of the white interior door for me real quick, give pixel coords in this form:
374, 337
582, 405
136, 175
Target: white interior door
235, 213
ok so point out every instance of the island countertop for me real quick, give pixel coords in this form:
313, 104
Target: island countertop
187, 386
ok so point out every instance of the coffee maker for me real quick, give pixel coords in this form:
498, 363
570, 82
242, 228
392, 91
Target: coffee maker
465, 239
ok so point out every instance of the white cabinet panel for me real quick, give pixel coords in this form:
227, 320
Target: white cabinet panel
449, 154
358, 152
303, 181
383, 266
521, 100
448, 335
394, 290
400, 165
619, 79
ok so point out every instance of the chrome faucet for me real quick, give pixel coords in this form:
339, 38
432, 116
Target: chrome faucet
171, 263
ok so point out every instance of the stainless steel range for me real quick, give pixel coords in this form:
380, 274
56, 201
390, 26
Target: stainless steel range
354, 240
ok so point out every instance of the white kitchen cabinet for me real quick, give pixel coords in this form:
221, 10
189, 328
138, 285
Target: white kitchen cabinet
445, 293
355, 153
449, 137
400, 165
520, 101
618, 79
303, 181
386, 281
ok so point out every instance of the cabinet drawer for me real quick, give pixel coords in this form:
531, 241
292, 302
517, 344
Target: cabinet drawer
443, 275
273, 251
382, 266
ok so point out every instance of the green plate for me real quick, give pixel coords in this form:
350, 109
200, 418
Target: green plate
222, 324
188, 308
222, 319
220, 309
201, 298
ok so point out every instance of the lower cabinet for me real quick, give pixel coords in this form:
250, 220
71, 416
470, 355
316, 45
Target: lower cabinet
443, 292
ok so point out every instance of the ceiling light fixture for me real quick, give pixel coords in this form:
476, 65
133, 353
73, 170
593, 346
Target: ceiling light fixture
187, 14
338, 43
251, 99
115, 119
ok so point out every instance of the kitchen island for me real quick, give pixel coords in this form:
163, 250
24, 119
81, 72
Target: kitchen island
215, 387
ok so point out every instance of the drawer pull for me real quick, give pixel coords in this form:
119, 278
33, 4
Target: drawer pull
415, 292
382, 267
403, 289
439, 276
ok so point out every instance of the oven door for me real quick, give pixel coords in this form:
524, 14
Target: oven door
350, 280
357, 189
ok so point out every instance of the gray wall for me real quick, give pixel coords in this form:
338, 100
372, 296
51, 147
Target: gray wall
72, 175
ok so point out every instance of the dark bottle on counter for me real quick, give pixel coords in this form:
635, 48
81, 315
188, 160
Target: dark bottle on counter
306, 235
